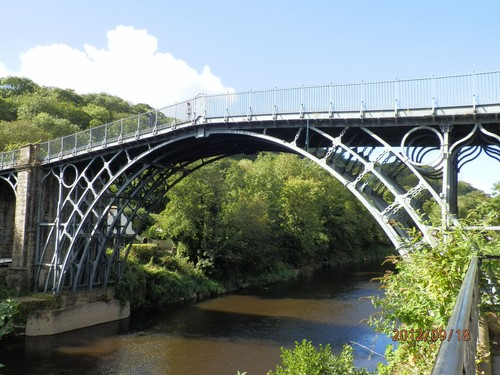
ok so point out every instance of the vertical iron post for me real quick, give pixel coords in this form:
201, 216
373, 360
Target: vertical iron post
445, 187
307, 135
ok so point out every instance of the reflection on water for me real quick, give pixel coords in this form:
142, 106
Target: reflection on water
242, 331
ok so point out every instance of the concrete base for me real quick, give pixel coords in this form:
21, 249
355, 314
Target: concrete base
52, 322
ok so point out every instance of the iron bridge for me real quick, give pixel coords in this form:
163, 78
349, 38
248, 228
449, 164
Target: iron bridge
81, 199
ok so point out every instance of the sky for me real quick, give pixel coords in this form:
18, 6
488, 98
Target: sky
161, 51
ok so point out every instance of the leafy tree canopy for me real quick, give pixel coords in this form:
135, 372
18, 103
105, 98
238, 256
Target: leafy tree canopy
15, 86
33, 113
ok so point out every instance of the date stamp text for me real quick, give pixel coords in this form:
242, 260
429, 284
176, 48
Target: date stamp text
436, 334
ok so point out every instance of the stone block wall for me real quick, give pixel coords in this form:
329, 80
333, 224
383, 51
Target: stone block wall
7, 211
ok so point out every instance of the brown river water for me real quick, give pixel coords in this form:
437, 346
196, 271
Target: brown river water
236, 332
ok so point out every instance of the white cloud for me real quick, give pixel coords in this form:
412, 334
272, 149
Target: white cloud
130, 67
3, 70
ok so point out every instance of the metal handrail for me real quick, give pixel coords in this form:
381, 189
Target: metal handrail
467, 90
458, 352
9, 159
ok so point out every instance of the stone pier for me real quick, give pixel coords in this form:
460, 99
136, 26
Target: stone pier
20, 275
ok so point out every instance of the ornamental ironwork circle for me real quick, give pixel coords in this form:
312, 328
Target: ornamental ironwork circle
69, 176
419, 142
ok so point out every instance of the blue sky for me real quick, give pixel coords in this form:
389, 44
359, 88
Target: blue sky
161, 51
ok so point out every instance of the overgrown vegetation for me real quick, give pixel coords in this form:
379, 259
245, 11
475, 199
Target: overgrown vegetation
306, 359
237, 219
246, 221
30, 113
421, 292
9, 309
156, 277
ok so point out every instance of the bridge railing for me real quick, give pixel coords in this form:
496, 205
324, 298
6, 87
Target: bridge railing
9, 159
457, 354
453, 91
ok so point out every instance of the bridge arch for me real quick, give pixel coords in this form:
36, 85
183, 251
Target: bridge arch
101, 199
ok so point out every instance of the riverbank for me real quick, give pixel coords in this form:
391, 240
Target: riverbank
154, 277
242, 331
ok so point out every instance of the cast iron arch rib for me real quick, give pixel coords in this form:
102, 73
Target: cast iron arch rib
125, 181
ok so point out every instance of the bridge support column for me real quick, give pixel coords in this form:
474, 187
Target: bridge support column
20, 275
450, 181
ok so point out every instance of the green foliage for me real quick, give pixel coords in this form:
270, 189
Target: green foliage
144, 253
420, 294
464, 188
237, 218
469, 199
305, 359
490, 275
30, 113
15, 86
100, 115
163, 280
485, 211
20, 133
7, 110
56, 127
490, 284
132, 286
9, 309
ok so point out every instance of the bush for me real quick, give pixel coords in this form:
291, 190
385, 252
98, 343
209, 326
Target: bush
9, 309
132, 286
145, 253
420, 295
169, 279
305, 359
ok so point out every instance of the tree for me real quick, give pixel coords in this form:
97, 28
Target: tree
56, 127
99, 114
302, 220
192, 216
464, 188
117, 106
249, 244
17, 134
15, 86
240, 217
305, 359
7, 110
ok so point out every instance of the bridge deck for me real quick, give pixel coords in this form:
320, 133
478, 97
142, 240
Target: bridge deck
457, 100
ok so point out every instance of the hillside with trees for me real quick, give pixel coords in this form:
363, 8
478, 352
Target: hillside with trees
30, 113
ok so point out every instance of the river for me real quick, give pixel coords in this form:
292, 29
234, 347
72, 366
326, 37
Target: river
240, 331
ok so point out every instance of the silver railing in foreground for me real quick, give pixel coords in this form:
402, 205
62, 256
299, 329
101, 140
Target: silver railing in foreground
457, 354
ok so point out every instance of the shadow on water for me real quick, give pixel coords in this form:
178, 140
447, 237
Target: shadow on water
326, 283
41, 355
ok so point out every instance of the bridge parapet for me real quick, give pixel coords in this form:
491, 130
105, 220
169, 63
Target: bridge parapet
453, 95
9, 159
